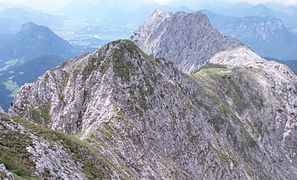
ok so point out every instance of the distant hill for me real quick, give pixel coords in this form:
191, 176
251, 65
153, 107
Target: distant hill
27, 55
287, 14
33, 41
263, 34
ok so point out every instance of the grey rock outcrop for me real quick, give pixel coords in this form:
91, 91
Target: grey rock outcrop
232, 120
187, 39
5, 174
36, 152
50, 159
1, 110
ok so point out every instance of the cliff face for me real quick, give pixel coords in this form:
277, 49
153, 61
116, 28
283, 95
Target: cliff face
187, 39
234, 118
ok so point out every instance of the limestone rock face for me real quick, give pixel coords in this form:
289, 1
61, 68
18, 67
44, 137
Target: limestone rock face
187, 39
230, 120
44, 156
32, 151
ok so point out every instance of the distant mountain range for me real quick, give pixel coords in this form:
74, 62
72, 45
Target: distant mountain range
264, 35
28, 54
11, 19
288, 14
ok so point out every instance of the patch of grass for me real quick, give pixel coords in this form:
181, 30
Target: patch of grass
106, 132
11, 86
118, 54
65, 79
92, 59
41, 115
153, 62
142, 102
90, 66
95, 165
222, 110
130, 46
122, 115
217, 66
9, 64
121, 67
123, 71
76, 71
217, 70
13, 153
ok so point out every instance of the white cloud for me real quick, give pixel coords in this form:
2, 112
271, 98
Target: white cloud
163, 1
38, 4
288, 2
55, 4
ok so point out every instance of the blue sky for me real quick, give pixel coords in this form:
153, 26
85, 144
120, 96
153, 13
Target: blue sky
56, 4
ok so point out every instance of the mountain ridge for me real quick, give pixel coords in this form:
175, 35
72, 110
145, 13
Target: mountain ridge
132, 100
234, 117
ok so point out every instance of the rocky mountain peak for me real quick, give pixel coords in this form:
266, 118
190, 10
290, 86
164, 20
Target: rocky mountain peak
195, 42
160, 14
114, 65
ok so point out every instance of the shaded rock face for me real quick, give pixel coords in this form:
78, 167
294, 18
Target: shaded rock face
187, 39
230, 120
1, 110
